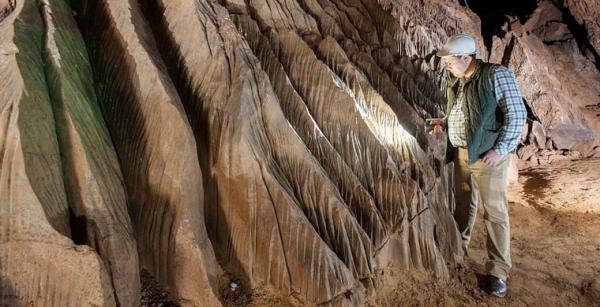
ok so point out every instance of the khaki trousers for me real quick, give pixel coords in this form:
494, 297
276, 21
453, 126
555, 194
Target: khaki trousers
479, 183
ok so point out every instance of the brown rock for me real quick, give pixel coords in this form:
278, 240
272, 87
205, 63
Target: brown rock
565, 124
236, 6
288, 195
354, 192
525, 132
557, 158
547, 23
585, 149
499, 47
434, 21
574, 154
156, 149
537, 135
539, 52
275, 154
283, 14
596, 153
288, 132
587, 14
39, 263
244, 156
526, 152
6, 8
94, 182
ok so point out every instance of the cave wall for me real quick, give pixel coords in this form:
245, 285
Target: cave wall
557, 67
275, 143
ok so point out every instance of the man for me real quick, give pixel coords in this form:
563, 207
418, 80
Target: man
485, 116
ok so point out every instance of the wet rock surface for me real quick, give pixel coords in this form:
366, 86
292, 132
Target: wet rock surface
248, 152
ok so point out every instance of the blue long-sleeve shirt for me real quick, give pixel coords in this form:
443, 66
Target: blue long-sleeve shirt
511, 103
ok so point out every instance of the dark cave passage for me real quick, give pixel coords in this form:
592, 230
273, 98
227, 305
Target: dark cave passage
494, 14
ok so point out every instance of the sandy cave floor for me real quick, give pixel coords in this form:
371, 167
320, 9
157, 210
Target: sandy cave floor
555, 224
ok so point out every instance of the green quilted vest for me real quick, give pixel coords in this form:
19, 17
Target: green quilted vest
484, 117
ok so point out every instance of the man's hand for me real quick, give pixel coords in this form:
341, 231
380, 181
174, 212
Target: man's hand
437, 123
491, 158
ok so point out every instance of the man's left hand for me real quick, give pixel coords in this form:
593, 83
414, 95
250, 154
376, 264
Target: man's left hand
491, 158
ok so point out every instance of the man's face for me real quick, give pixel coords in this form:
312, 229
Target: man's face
457, 65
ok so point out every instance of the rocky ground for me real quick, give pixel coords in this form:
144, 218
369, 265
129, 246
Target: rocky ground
153, 295
555, 221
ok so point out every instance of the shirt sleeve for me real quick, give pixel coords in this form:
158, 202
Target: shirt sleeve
511, 103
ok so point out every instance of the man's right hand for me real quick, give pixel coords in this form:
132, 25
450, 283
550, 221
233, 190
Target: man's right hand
437, 123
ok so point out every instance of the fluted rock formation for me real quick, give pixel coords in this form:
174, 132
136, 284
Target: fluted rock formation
39, 263
93, 179
275, 143
156, 148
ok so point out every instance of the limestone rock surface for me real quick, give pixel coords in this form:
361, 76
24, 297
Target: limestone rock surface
557, 80
40, 265
274, 145
587, 15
